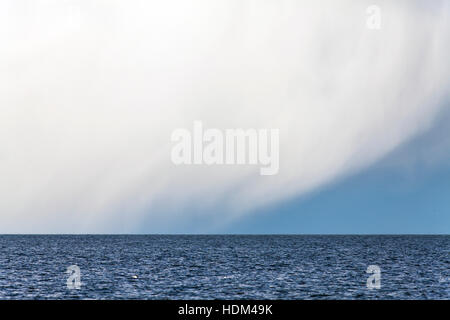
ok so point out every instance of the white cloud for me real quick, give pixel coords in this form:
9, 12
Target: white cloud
90, 92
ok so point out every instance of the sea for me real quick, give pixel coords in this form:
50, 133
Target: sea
173, 267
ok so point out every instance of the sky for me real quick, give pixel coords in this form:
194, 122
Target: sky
406, 192
91, 92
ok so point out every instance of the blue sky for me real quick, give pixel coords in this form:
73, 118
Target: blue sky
408, 191
405, 192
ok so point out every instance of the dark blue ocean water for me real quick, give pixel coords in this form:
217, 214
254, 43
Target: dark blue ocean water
224, 267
